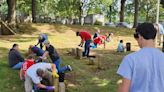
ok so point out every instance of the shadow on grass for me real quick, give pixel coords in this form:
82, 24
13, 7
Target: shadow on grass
26, 29
17, 38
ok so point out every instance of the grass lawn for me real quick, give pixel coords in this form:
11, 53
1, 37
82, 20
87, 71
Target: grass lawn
84, 77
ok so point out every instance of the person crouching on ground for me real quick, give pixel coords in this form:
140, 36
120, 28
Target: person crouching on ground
36, 73
101, 40
54, 56
15, 58
121, 47
35, 50
28, 63
85, 37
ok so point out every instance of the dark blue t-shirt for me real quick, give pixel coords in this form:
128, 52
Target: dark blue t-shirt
37, 51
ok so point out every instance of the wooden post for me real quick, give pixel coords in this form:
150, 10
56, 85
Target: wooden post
91, 61
73, 51
99, 61
56, 84
61, 87
79, 53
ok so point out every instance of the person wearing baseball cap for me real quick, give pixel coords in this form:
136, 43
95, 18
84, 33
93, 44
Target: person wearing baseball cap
143, 70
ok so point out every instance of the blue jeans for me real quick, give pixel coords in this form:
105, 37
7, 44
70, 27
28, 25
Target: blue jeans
18, 65
60, 70
87, 48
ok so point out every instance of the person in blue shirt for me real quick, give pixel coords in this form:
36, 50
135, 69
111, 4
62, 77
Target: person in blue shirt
120, 47
143, 70
41, 39
35, 50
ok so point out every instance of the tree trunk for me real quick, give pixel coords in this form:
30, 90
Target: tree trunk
110, 9
122, 10
136, 14
33, 11
11, 16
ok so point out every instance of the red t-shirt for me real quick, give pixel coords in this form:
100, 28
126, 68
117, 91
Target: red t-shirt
26, 65
98, 40
85, 35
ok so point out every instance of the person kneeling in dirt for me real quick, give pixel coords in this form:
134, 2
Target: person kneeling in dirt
35, 50
15, 58
36, 73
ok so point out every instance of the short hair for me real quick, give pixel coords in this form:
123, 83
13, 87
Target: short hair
147, 31
40, 72
31, 56
14, 45
77, 33
121, 41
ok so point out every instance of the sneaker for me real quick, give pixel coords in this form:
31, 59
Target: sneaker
69, 67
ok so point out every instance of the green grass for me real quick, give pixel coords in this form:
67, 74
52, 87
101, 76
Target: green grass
84, 77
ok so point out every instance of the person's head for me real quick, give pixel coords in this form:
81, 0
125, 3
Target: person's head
40, 37
145, 33
98, 31
31, 56
40, 72
30, 49
15, 46
46, 43
77, 33
121, 41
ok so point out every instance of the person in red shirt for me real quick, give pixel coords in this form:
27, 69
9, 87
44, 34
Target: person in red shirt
28, 63
101, 40
85, 37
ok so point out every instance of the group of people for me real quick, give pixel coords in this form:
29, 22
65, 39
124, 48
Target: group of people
36, 70
89, 42
142, 71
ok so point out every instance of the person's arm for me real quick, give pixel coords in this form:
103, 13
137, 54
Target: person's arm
39, 85
54, 71
38, 42
45, 54
21, 74
21, 59
124, 86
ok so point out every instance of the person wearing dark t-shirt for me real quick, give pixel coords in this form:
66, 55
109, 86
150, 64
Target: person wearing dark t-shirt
51, 51
35, 50
41, 39
96, 34
15, 59
85, 37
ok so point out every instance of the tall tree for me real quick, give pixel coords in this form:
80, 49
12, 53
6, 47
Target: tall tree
122, 10
136, 13
11, 16
33, 7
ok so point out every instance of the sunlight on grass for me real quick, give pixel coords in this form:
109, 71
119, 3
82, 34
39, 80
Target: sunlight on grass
84, 77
